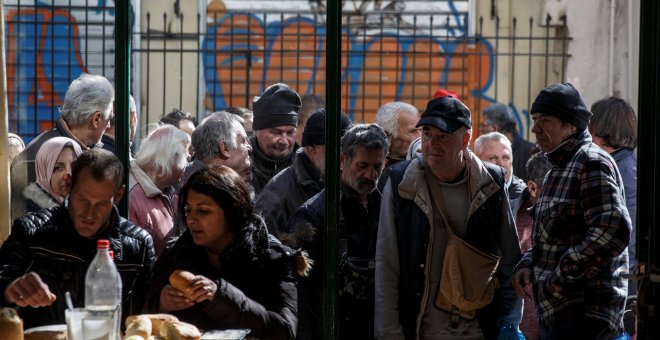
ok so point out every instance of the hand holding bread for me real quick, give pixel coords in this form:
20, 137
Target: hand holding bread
181, 280
196, 288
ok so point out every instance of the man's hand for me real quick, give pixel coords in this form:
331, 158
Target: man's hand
29, 290
521, 281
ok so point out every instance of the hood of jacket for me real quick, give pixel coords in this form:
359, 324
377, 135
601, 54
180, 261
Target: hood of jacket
39, 196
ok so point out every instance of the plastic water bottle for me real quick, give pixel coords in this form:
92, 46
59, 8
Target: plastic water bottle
102, 296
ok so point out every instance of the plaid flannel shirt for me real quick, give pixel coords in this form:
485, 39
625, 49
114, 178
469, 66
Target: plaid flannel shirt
580, 236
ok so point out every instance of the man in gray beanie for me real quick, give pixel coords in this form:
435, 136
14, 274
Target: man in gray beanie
581, 227
273, 143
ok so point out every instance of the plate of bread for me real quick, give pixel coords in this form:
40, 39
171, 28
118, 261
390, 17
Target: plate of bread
168, 327
159, 326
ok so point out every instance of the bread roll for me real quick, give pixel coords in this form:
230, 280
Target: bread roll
179, 330
181, 279
140, 326
157, 321
11, 325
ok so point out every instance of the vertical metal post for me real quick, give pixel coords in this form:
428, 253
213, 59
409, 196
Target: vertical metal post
5, 211
648, 155
333, 97
122, 88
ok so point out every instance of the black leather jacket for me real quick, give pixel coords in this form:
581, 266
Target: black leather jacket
46, 243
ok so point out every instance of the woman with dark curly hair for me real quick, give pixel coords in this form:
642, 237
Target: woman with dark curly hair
244, 277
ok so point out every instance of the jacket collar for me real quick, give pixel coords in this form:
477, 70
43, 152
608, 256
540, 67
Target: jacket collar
622, 154
138, 176
481, 185
62, 125
111, 231
565, 151
39, 196
304, 169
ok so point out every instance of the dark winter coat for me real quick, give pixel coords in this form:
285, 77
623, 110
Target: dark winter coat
358, 225
516, 187
46, 243
256, 283
287, 191
521, 150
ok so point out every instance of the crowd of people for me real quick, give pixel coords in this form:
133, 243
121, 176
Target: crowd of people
442, 234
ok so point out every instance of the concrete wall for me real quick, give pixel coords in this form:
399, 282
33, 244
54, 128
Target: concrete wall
589, 25
160, 70
587, 67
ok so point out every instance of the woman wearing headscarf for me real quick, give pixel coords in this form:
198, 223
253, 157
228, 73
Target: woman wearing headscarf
244, 277
53, 168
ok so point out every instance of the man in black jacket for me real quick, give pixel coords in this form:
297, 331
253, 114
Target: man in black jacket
289, 189
48, 252
274, 141
362, 158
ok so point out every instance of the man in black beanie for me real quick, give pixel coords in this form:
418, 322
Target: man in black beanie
289, 189
581, 227
273, 143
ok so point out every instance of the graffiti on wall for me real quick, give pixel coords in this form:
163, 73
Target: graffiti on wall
242, 54
44, 52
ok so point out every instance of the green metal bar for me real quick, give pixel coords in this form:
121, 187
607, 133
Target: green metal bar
648, 156
122, 89
333, 98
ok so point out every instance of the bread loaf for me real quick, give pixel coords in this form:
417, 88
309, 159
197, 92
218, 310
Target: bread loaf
141, 326
11, 325
157, 321
179, 330
181, 279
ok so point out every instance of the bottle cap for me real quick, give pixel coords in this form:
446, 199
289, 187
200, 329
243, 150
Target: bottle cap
103, 244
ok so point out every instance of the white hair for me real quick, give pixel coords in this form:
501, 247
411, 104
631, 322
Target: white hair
164, 149
87, 94
490, 137
387, 116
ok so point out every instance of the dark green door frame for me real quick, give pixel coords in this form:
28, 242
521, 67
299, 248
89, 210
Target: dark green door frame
648, 156
333, 99
122, 89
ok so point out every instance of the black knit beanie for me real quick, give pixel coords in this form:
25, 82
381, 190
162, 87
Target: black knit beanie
564, 102
277, 106
314, 133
